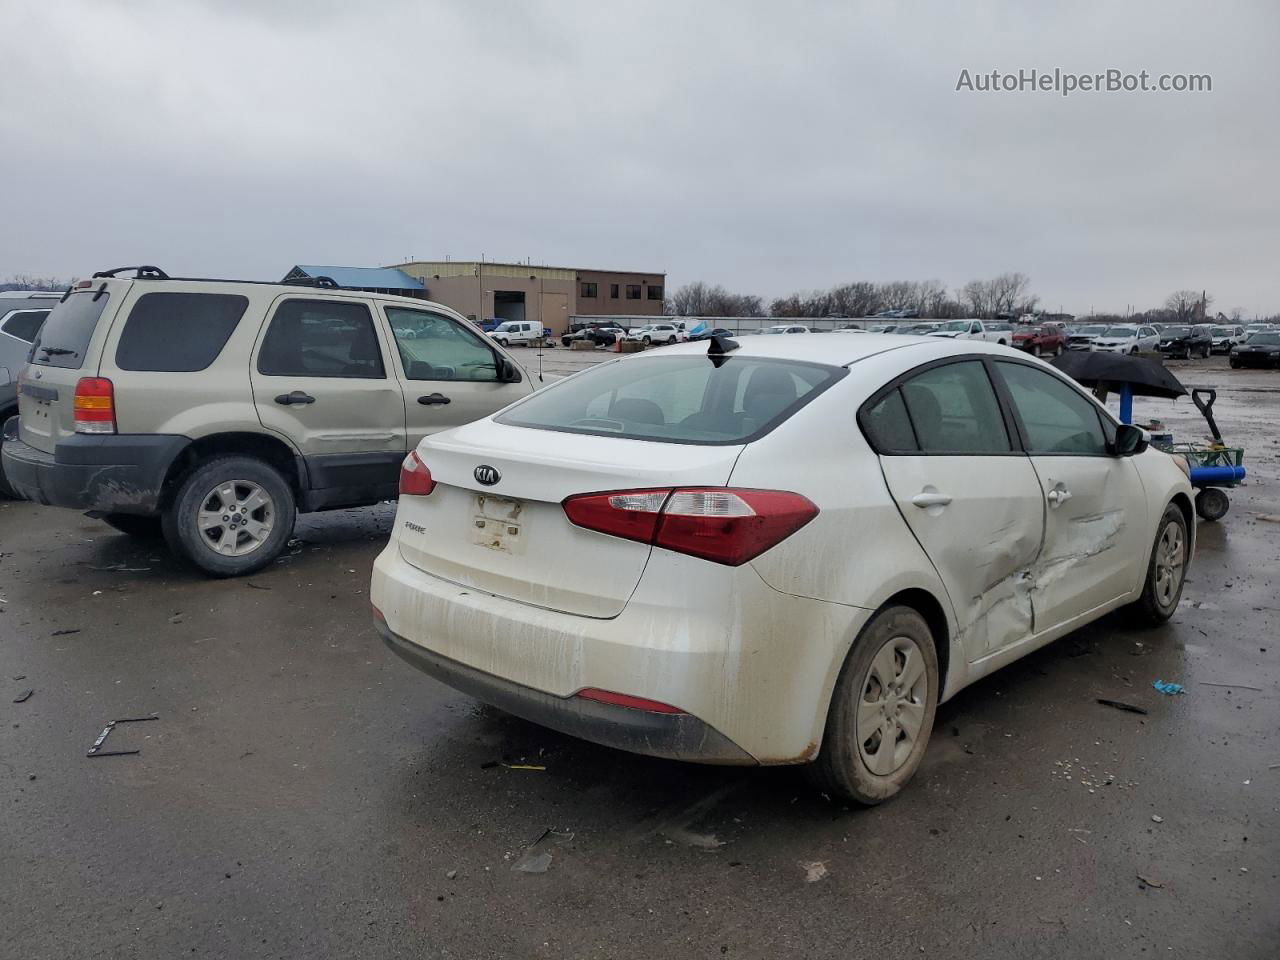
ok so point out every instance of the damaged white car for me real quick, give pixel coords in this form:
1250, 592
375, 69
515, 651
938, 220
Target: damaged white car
783, 551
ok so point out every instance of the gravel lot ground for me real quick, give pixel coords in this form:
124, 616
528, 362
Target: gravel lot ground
304, 793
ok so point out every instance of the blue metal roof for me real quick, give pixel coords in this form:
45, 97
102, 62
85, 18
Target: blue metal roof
380, 278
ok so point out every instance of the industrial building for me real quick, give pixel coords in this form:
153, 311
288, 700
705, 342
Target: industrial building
481, 290
368, 279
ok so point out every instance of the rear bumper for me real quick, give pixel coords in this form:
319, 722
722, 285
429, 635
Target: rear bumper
113, 474
751, 668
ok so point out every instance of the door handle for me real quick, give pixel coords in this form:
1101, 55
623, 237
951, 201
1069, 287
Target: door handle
925, 500
1058, 496
297, 396
433, 399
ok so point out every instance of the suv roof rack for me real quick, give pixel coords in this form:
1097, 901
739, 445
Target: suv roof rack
139, 273
327, 283
148, 272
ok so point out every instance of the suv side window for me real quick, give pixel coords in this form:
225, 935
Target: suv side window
1055, 417
434, 347
24, 324
953, 410
178, 332
321, 338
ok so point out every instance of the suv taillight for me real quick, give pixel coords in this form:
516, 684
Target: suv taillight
95, 406
723, 525
415, 478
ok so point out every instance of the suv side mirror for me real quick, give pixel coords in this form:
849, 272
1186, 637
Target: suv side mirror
1130, 440
507, 371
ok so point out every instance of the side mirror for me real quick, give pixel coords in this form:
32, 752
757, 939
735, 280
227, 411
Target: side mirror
508, 372
1130, 440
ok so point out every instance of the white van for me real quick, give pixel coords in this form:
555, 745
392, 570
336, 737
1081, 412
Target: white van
523, 333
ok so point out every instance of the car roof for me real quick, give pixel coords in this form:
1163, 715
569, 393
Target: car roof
838, 351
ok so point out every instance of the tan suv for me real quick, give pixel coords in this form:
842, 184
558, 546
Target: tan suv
214, 410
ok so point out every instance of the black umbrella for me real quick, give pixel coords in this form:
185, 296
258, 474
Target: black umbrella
1114, 371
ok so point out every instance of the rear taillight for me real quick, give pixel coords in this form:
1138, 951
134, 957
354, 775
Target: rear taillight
95, 406
728, 526
415, 478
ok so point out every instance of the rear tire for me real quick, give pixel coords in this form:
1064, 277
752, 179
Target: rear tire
134, 525
1204, 353
897, 645
1212, 503
6, 490
1166, 571
264, 512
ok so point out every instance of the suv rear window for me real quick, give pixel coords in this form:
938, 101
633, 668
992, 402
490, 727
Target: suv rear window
178, 332
66, 333
685, 399
24, 324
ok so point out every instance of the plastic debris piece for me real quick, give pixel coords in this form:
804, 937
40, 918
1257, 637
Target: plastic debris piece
524, 766
1168, 689
23, 697
1154, 884
1156, 818
1121, 705
813, 872
533, 861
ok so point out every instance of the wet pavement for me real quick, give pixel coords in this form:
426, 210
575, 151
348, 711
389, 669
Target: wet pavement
304, 793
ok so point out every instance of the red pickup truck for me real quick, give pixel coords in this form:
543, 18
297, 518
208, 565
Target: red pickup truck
1041, 338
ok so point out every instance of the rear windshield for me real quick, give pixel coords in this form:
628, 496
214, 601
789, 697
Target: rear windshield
66, 333
1176, 331
685, 399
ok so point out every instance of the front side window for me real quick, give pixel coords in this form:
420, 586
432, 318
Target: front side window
178, 332
435, 347
24, 324
684, 399
953, 409
1055, 416
588, 291
633, 291
321, 338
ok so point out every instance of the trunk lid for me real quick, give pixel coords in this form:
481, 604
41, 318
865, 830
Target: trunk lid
512, 538
67, 349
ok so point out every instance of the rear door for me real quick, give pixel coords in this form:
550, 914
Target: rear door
448, 372
322, 378
972, 500
1093, 502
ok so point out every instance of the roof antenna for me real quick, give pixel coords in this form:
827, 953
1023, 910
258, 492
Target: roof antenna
719, 348
542, 342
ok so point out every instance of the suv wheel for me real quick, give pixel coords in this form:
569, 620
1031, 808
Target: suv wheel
882, 710
231, 516
133, 524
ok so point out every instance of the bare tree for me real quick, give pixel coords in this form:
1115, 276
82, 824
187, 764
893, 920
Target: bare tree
1187, 306
699, 299
1237, 314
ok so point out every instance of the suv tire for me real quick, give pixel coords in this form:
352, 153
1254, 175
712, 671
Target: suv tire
259, 506
133, 524
845, 766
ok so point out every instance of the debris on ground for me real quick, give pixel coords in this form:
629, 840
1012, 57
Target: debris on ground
524, 766
1156, 818
451, 874
1121, 705
691, 838
1168, 689
23, 697
256, 586
1268, 517
64, 633
536, 858
97, 751
813, 872
1154, 884
1230, 686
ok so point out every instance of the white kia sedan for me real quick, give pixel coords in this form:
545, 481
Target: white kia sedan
778, 551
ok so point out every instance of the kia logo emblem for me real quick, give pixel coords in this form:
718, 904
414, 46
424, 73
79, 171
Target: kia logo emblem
487, 475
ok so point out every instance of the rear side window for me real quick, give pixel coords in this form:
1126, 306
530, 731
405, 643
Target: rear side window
24, 324
954, 410
685, 399
1055, 417
321, 338
66, 333
888, 426
178, 332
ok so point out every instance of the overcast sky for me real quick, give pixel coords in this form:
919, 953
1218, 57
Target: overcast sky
770, 147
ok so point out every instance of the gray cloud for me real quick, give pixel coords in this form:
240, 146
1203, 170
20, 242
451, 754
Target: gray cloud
768, 147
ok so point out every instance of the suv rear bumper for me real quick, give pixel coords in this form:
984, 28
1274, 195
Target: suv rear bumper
113, 474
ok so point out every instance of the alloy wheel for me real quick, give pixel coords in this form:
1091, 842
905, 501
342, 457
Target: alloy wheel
235, 518
1170, 559
891, 710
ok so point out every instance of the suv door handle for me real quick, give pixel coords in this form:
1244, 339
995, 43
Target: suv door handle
297, 396
925, 500
1058, 496
432, 399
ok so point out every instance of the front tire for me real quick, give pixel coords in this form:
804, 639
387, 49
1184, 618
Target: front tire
134, 525
882, 710
1166, 571
648, 341
231, 516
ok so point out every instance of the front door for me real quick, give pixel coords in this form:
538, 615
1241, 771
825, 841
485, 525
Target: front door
972, 501
449, 373
1094, 502
321, 379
